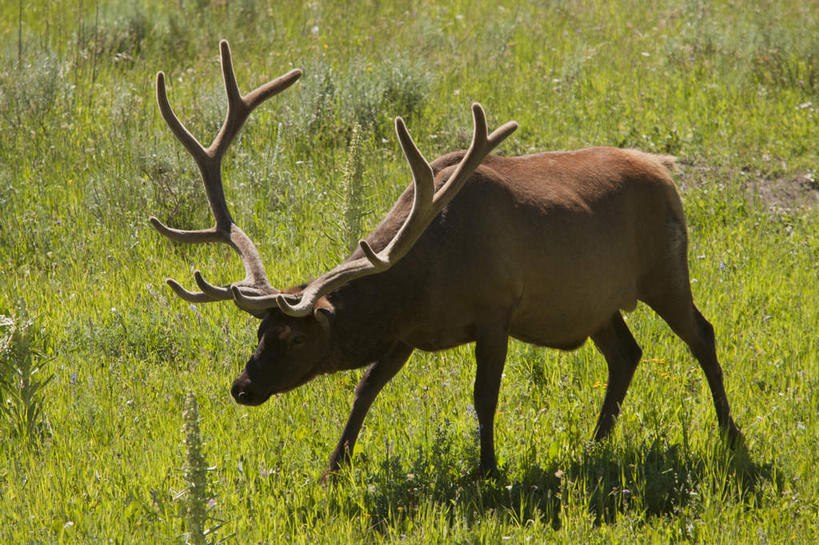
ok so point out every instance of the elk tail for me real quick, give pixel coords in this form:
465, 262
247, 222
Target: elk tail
668, 161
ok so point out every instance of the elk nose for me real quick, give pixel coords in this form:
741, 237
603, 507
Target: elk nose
240, 395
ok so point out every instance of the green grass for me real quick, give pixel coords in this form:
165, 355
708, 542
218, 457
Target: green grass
731, 88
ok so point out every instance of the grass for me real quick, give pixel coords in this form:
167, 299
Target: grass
731, 88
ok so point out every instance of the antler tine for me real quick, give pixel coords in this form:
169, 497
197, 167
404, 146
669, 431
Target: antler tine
190, 296
482, 144
423, 184
427, 204
239, 107
217, 293
182, 134
229, 76
422, 176
209, 163
183, 235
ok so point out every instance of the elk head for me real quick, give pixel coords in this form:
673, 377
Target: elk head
295, 334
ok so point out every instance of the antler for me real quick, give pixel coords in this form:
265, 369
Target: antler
427, 204
209, 162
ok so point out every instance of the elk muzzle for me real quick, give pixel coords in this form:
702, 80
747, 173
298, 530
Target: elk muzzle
244, 393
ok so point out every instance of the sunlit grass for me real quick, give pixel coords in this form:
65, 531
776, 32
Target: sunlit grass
85, 158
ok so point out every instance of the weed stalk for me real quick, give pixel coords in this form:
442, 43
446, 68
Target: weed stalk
353, 187
199, 500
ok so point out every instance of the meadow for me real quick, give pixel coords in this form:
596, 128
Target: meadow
98, 359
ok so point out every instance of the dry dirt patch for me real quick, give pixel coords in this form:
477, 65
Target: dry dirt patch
789, 192
786, 193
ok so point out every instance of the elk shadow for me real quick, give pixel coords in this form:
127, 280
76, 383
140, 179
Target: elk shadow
651, 478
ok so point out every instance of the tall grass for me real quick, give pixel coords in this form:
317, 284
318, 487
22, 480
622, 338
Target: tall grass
729, 87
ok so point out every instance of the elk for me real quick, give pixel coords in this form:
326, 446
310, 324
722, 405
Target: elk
547, 248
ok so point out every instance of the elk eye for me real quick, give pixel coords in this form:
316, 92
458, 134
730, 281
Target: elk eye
298, 339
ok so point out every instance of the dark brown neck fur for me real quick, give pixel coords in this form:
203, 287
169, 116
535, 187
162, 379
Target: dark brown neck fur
364, 323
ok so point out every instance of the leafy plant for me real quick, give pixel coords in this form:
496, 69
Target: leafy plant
23, 377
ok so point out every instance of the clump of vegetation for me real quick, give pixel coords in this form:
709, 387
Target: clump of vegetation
352, 184
198, 500
176, 192
31, 92
23, 377
366, 93
378, 93
115, 38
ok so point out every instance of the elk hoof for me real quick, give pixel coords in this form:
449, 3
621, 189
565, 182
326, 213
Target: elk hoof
328, 477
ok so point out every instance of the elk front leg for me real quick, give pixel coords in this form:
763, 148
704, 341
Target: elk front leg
490, 355
378, 374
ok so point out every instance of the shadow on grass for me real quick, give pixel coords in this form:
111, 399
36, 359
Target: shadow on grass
648, 479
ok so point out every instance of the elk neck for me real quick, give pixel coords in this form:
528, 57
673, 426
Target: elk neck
366, 313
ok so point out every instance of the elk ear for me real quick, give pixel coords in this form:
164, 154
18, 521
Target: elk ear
324, 312
259, 314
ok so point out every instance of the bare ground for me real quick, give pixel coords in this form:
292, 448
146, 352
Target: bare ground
786, 193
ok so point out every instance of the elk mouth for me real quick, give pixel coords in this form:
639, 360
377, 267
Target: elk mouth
244, 394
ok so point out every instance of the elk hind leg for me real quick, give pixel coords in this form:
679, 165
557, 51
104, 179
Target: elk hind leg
622, 355
676, 307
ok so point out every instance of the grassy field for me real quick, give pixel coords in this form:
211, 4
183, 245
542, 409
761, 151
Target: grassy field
97, 454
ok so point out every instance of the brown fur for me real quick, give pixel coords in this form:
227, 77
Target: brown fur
548, 248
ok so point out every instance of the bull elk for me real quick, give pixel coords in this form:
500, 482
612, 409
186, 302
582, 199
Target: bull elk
548, 248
